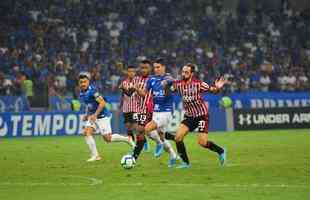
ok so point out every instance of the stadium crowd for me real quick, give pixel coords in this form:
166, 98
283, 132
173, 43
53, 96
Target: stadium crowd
50, 42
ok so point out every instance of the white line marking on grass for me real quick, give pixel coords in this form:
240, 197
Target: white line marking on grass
232, 165
91, 181
257, 185
254, 185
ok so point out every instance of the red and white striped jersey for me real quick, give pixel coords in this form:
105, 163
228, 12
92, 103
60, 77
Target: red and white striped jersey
129, 103
191, 93
145, 103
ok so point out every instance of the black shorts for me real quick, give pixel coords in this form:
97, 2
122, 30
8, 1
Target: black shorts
130, 117
200, 122
144, 118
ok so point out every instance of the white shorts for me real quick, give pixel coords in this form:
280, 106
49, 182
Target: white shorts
101, 125
162, 119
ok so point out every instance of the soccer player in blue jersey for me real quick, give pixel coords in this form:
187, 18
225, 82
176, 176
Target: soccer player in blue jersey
163, 106
98, 117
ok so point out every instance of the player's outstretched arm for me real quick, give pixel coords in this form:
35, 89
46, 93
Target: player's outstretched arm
220, 82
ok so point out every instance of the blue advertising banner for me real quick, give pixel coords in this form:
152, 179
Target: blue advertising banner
40, 124
27, 124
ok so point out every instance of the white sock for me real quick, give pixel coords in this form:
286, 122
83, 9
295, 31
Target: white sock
90, 141
120, 138
168, 148
154, 136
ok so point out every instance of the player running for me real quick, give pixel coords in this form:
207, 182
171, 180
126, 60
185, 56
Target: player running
145, 112
163, 105
196, 112
129, 101
98, 117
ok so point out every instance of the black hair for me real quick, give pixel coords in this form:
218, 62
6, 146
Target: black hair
160, 61
84, 75
131, 67
146, 61
23, 73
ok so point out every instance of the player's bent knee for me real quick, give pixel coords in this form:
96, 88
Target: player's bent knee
178, 138
201, 143
88, 131
148, 129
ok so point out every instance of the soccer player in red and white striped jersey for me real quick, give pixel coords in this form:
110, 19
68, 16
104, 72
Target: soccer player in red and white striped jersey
144, 115
196, 112
145, 109
129, 102
145, 103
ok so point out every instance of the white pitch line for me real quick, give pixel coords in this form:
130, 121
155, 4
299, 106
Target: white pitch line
254, 185
232, 165
257, 185
91, 181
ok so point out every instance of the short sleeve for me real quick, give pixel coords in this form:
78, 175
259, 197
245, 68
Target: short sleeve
95, 93
204, 87
148, 84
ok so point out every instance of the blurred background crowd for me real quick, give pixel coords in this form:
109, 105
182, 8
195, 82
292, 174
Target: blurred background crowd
258, 45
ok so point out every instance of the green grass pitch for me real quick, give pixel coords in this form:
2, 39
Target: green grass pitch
261, 165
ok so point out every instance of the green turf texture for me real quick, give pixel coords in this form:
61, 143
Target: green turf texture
261, 165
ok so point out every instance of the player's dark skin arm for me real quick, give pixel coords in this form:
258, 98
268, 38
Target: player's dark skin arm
128, 92
142, 92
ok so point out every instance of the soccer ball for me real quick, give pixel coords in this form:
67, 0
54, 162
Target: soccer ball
128, 161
